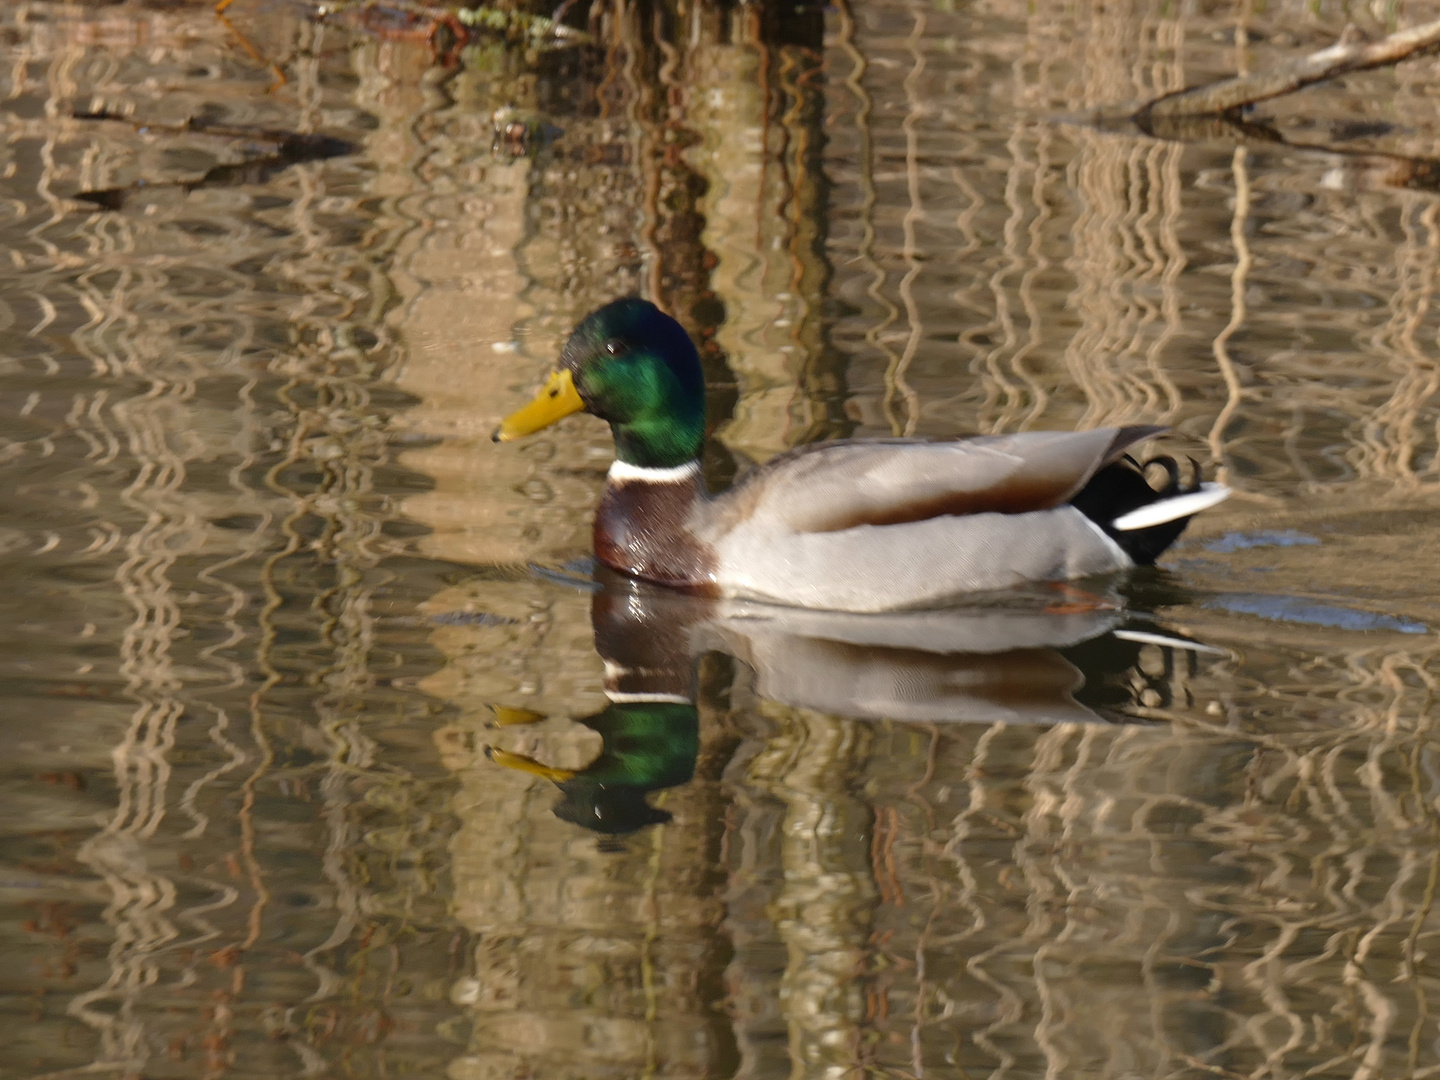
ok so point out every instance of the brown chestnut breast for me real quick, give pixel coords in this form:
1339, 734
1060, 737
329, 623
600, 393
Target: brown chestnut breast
642, 529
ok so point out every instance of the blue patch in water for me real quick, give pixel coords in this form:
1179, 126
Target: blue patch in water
1300, 610
1266, 538
560, 577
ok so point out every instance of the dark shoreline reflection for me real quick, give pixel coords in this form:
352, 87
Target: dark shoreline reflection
1034, 659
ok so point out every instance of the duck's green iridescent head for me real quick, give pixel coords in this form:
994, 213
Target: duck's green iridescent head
630, 364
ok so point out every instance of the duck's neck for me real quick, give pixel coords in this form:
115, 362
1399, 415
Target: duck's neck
643, 525
669, 440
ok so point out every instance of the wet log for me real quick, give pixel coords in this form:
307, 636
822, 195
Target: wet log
1350, 53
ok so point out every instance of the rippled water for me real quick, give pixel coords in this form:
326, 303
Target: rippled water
277, 614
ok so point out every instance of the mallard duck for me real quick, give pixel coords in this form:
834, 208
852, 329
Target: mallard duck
862, 526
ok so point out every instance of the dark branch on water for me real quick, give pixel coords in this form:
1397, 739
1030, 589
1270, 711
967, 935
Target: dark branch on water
287, 148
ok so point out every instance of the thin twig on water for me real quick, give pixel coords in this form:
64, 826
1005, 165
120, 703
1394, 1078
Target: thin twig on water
1350, 53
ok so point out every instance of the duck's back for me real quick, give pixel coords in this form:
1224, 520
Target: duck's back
885, 525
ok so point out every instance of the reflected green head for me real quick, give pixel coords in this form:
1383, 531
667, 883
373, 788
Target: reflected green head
637, 368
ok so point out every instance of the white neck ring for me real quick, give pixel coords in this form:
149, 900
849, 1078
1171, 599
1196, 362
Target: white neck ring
622, 472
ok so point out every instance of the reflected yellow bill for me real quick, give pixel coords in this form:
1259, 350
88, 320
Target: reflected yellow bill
521, 763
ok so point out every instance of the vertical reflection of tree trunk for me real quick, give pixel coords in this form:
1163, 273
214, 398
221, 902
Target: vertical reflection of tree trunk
597, 956
141, 896
1238, 284
897, 383
1120, 267
824, 908
758, 102
1000, 388
1393, 439
460, 284
863, 155
759, 108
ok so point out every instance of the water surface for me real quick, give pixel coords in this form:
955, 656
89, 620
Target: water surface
271, 593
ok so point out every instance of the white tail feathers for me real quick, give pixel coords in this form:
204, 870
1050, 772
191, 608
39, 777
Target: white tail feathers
1145, 637
1176, 506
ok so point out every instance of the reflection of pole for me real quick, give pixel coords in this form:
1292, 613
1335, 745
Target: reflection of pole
1391, 440
1239, 282
1239, 277
760, 109
757, 100
596, 956
824, 908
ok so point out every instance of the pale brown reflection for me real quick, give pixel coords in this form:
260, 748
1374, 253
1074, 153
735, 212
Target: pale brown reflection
266, 575
1239, 280
756, 107
823, 908
201, 444
897, 385
860, 114
1395, 440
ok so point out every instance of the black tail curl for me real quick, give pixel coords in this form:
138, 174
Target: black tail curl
1121, 487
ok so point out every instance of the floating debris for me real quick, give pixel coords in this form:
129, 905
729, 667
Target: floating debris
289, 148
472, 618
447, 30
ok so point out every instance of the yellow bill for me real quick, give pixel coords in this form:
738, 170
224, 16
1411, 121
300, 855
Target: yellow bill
556, 400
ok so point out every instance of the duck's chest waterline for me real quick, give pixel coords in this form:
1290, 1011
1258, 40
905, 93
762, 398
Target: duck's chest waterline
643, 526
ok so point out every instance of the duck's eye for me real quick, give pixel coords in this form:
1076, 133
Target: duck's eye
616, 347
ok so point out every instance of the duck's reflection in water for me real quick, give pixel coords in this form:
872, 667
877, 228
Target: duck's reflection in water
648, 746
1023, 661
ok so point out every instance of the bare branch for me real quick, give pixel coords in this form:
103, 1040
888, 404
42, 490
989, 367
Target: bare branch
1346, 55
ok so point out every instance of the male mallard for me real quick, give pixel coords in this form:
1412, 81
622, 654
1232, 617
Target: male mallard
868, 525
